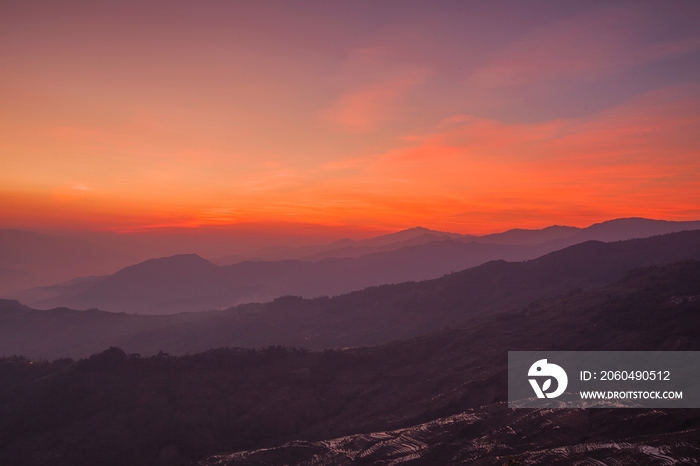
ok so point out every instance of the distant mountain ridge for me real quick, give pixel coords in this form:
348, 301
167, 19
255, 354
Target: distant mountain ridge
555, 236
623, 229
368, 317
519, 236
340, 267
348, 248
189, 283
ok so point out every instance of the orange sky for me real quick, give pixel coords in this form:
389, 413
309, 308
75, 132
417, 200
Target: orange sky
360, 115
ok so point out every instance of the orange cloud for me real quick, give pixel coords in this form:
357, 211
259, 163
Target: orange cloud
642, 158
375, 92
366, 109
409, 119
470, 174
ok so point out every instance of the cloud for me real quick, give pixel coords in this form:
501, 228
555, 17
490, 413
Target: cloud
76, 192
587, 47
476, 174
268, 181
641, 158
367, 108
82, 188
372, 89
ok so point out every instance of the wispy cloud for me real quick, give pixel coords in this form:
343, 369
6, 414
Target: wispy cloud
587, 47
374, 90
367, 108
82, 188
635, 159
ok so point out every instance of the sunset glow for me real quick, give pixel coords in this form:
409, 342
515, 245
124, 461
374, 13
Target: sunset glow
458, 116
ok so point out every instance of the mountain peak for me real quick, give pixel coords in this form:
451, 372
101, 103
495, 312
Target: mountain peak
620, 229
169, 265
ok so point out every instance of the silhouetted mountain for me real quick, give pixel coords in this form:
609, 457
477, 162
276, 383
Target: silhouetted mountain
555, 236
170, 285
626, 228
372, 316
177, 286
434, 400
173, 281
30, 259
229, 259
361, 250
349, 248
406, 235
519, 236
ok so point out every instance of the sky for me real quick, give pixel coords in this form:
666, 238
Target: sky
355, 116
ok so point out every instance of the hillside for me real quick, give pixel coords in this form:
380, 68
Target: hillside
437, 399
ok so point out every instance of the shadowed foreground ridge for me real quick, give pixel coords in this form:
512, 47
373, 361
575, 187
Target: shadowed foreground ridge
437, 399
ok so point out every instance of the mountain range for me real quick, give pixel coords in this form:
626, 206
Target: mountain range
371, 316
190, 283
435, 399
555, 237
